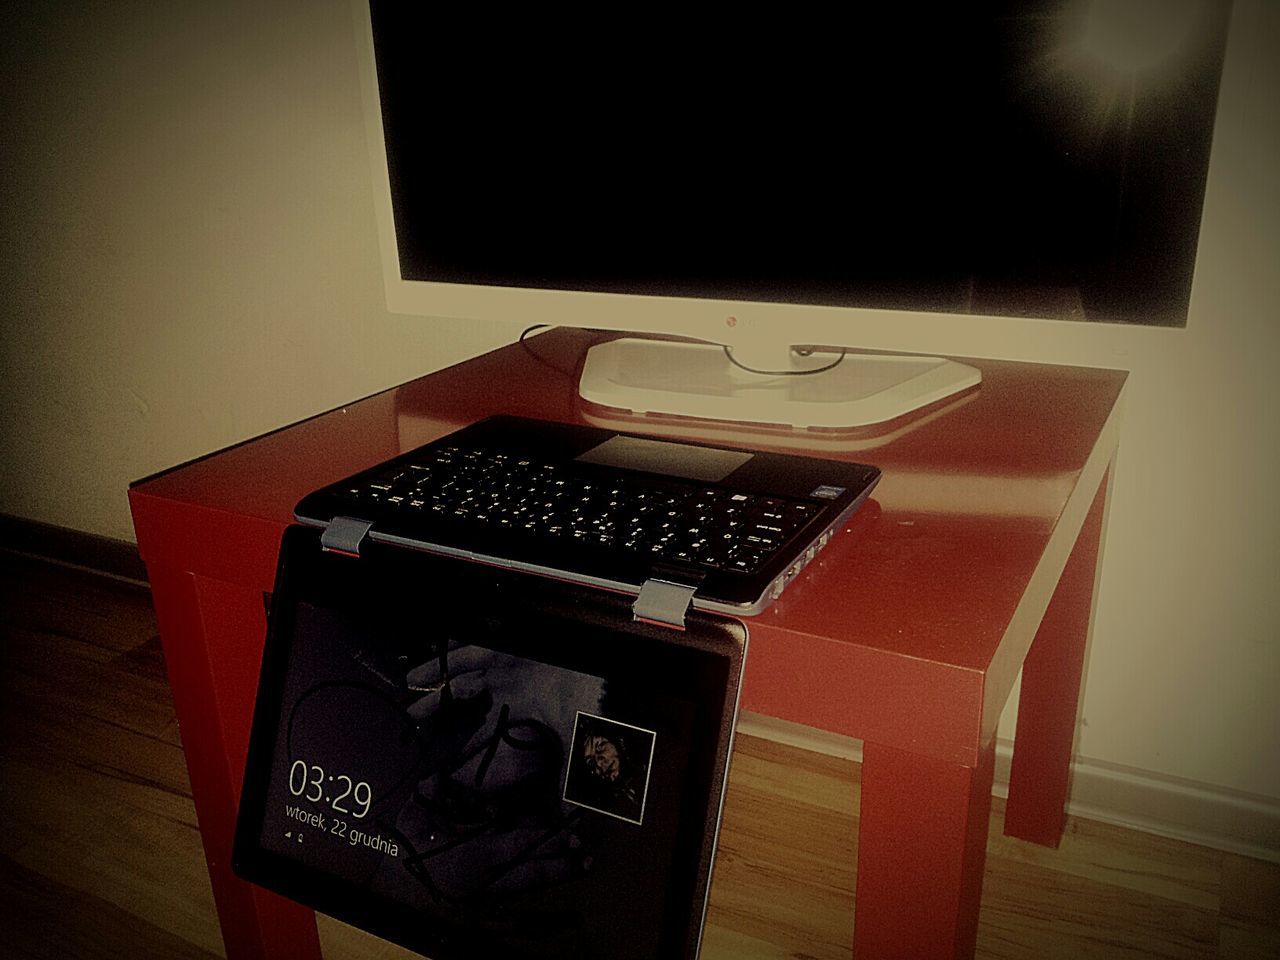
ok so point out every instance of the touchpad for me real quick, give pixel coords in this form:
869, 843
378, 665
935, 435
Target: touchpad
661, 456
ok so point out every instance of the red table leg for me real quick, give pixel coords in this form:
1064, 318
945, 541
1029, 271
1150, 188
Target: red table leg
1048, 705
922, 848
212, 635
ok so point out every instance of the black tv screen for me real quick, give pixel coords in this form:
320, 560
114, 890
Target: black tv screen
1041, 159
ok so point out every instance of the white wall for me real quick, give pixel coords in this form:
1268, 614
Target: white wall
188, 260
189, 255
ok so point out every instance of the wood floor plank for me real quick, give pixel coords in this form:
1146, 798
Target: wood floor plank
785, 861
338, 941
725, 943
1031, 911
1115, 857
83, 608
1241, 940
126, 843
1251, 890
50, 921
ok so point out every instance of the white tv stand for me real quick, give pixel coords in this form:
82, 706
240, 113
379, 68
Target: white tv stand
700, 380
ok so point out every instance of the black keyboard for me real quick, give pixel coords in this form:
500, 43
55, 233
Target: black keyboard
594, 506
563, 502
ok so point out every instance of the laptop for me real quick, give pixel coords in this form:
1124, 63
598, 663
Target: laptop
476, 762
675, 524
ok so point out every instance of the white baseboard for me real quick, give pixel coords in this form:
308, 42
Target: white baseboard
1155, 803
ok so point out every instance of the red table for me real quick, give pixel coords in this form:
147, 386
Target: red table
976, 557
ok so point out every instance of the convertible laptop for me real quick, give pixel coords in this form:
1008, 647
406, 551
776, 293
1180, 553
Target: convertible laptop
675, 524
475, 762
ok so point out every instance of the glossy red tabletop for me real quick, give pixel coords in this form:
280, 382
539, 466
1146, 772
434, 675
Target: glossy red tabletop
908, 629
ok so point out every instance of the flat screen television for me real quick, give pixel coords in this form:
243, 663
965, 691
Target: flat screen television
775, 185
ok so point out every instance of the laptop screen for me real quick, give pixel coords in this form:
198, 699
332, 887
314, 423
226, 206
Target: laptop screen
466, 762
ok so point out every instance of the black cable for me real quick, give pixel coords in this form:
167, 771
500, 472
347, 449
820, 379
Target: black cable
567, 374
786, 373
728, 352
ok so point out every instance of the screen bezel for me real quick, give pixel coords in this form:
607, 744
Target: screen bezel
744, 324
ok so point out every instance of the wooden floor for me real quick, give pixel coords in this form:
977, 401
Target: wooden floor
100, 854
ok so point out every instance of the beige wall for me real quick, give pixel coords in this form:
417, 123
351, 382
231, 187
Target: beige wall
188, 260
189, 257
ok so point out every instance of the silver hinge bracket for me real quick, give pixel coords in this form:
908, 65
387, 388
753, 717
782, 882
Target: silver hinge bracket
662, 601
344, 535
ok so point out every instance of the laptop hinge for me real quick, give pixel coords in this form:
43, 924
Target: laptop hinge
662, 601
344, 535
